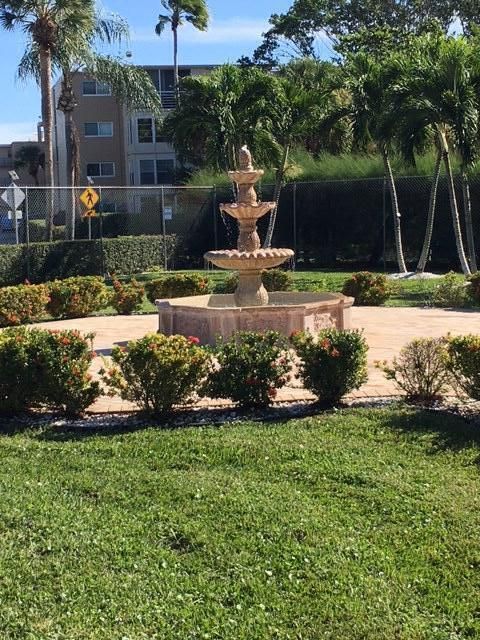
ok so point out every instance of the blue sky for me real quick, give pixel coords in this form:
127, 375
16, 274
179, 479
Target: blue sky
235, 30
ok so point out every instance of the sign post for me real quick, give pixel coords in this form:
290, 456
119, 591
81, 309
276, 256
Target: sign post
89, 198
14, 197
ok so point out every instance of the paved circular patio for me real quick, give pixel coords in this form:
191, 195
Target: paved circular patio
386, 331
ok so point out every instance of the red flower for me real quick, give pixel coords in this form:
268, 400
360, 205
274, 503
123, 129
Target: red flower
295, 333
193, 340
335, 353
325, 344
272, 393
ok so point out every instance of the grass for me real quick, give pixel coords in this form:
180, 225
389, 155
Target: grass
357, 525
409, 293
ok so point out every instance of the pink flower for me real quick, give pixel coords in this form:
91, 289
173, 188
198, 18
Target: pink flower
193, 340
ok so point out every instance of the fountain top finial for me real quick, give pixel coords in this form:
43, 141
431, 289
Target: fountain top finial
245, 159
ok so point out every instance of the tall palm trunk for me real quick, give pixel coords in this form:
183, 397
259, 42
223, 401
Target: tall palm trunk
176, 79
422, 263
395, 210
453, 203
467, 207
47, 117
67, 104
276, 197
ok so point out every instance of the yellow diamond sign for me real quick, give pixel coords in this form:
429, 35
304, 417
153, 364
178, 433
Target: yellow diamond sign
89, 198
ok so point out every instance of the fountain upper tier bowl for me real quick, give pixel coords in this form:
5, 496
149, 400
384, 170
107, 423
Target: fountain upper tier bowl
242, 211
249, 260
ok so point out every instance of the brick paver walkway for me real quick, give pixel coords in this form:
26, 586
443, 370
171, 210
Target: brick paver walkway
386, 331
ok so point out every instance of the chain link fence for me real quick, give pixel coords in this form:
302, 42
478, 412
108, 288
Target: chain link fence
335, 223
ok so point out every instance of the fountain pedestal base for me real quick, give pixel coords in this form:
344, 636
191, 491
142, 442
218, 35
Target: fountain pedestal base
208, 317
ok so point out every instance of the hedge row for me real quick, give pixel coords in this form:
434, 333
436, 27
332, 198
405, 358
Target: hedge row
43, 261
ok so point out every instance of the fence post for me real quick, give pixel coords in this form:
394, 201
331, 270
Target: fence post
294, 208
165, 256
27, 232
384, 213
100, 230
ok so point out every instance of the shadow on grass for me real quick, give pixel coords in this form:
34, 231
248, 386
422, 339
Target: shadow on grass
450, 431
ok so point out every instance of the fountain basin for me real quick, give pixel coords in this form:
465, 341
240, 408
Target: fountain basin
248, 260
211, 316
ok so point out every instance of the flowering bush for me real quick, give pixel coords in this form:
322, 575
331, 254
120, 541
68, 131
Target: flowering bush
177, 286
250, 368
127, 297
23, 303
463, 361
420, 369
332, 364
76, 297
473, 288
450, 291
368, 289
157, 371
47, 369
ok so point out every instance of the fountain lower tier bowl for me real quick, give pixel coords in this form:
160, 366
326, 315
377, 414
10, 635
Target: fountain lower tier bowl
213, 316
249, 260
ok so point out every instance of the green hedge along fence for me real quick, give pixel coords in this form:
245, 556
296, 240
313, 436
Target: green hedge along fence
43, 261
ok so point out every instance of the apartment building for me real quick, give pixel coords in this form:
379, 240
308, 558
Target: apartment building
118, 148
8, 154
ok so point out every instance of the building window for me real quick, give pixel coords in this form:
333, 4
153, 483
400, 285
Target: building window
157, 171
149, 131
154, 77
99, 129
96, 88
145, 130
101, 169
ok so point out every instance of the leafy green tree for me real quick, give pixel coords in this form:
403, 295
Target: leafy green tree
46, 22
179, 11
438, 90
221, 112
296, 31
32, 158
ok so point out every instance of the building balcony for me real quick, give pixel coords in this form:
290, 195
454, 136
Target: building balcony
168, 99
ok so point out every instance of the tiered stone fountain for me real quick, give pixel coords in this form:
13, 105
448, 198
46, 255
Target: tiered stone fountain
251, 307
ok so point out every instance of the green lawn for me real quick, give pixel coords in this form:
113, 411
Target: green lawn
363, 524
410, 293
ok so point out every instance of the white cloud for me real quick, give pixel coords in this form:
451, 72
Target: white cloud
17, 131
219, 32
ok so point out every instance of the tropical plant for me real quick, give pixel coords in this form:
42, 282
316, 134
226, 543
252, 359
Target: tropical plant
194, 12
368, 82
221, 112
32, 158
47, 23
463, 361
437, 91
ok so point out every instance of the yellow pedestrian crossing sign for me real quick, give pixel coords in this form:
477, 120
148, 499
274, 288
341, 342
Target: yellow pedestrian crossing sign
89, 198
90, 213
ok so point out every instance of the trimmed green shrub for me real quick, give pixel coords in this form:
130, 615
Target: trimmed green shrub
420, 370
463, 361
40, 368
77, 297
250, 368
22, 304
177, 286
157, 372
273, 280
332, 364
37, 231
473, 288
368, 289
44, 261
127, 297
450, 291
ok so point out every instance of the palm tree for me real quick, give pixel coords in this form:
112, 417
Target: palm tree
368, 81
131, 85
179, 11
221, 112
438, 93
45, 22
305, 92
32, 158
